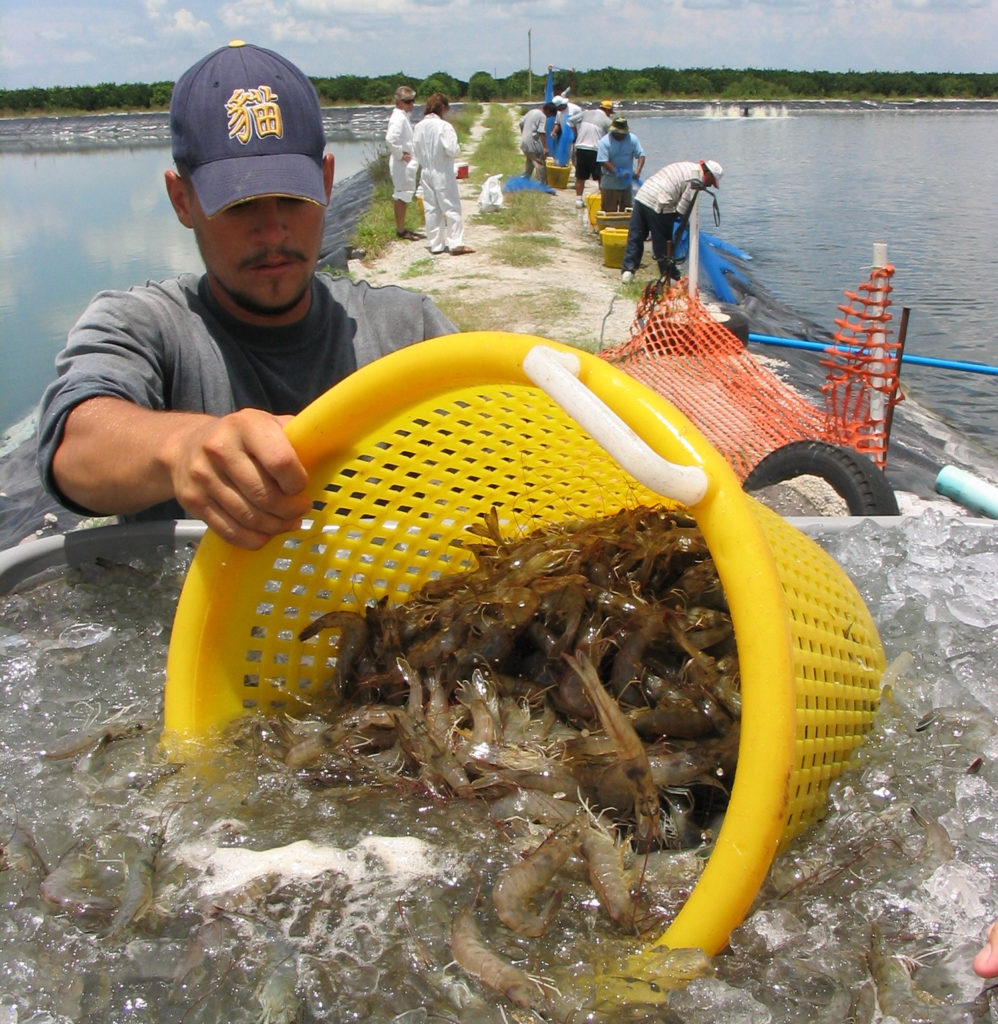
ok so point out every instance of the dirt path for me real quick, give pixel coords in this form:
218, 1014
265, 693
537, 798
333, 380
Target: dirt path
567, 297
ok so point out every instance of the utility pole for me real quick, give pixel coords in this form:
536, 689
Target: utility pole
530, 64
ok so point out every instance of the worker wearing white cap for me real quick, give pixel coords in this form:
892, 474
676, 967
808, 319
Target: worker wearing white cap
662, 202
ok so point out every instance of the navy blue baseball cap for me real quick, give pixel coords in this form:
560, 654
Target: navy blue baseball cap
245, 123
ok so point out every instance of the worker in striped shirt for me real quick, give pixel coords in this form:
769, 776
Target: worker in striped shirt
663, 202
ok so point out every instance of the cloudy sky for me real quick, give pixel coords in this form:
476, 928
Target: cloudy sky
47, 43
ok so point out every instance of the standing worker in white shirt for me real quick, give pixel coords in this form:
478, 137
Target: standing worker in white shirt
435, 144
402, 163
589, 126
664, 200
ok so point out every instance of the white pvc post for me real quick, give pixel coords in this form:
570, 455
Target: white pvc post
878, 407
694, 258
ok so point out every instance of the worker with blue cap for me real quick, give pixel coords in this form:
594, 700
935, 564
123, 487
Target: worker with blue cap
171, 399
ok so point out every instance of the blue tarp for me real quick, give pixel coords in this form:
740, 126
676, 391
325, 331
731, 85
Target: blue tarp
521, 184
715, 268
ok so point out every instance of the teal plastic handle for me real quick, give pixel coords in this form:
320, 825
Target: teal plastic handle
968, 490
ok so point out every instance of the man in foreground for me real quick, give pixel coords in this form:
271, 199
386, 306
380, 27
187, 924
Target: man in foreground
171, 398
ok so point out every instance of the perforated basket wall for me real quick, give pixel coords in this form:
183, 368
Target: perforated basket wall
407, 453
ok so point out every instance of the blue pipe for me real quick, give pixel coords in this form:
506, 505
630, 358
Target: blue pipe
968, 490
817, 346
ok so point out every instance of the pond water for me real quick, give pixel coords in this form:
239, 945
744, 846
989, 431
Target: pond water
74, 223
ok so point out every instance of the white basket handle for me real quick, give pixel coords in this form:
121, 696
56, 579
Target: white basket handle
556, 373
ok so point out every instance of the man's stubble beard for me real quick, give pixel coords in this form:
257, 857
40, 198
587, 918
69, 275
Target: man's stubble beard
250, 305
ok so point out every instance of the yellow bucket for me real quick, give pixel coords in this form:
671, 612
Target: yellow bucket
614, 243
557, 174
594, 203
613, 220
408, 452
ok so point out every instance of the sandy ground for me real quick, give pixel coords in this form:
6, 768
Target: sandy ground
589, 291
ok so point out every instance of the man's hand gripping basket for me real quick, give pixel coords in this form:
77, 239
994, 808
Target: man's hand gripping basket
410, 451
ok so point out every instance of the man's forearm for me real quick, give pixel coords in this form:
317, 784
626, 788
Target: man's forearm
114, 456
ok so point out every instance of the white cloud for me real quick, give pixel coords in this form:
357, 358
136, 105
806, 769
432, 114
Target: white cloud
185, 22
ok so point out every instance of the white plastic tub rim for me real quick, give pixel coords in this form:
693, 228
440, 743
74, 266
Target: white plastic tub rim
28, 563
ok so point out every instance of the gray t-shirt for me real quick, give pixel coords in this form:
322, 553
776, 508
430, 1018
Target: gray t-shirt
169, 345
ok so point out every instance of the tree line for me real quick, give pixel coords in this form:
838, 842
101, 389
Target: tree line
522, 86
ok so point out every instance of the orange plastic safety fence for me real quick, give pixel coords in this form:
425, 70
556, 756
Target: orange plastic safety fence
861, 385
702, 368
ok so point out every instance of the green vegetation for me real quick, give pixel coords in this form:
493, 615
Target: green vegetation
523, 212
476, 309
524, 250
499, 148
519, 87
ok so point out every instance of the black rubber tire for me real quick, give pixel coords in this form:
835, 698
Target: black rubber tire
854, 477
737, 323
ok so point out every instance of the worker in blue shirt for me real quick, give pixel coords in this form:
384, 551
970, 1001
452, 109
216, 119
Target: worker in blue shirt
621, 158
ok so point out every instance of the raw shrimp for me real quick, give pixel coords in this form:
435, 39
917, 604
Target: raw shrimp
712, 758
277, 992
19, 853
137, 895
679, 719
700, 585
897, 996
478, 960
605, 861
479, 696
937, 839
517, 886
354, 636
85, 741
630, 750
351, 731
533, 805
65, 887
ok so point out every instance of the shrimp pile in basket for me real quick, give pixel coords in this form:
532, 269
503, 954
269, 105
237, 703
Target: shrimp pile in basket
584, 677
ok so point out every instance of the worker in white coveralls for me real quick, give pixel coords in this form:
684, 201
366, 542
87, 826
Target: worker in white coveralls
435, 144
402, 163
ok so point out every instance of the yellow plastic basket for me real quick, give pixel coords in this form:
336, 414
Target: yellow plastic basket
621, 219
408, 452
557, 173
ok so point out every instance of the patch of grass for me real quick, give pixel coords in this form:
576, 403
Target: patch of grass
526, 212
464, 119
497, 151
419, 267
537, 312
377, 227
524, 250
